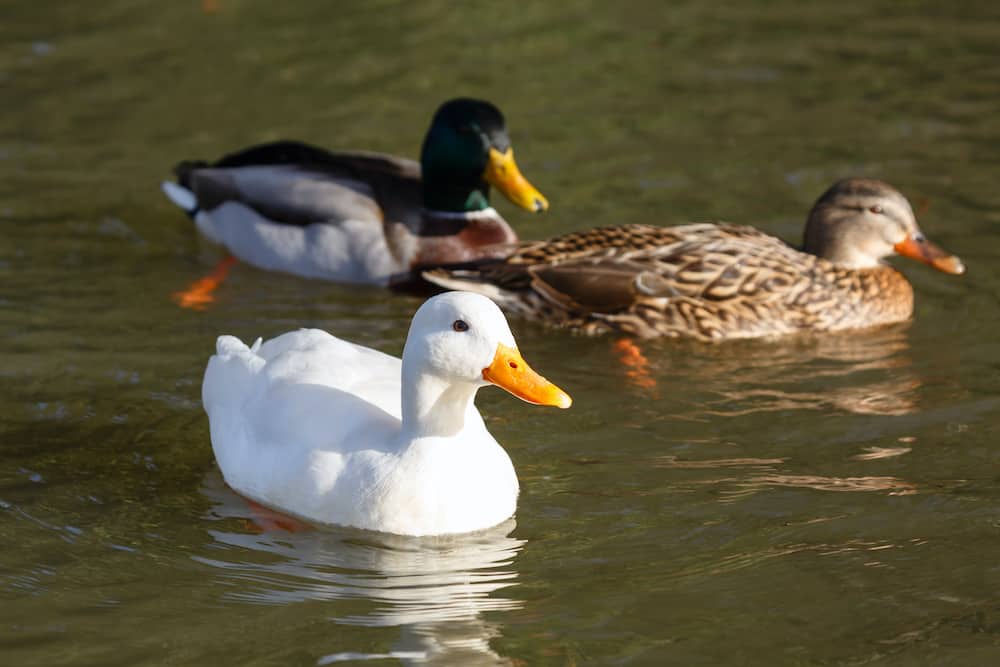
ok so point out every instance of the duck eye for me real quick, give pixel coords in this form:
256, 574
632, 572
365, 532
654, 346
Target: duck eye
875, 208
460, 325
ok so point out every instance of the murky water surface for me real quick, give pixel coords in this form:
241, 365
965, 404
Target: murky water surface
813, 501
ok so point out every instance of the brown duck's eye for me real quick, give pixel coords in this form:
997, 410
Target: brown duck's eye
875, 208
460, 325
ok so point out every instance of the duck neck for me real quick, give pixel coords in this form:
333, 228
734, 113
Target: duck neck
829, 236
454, 192
433, 407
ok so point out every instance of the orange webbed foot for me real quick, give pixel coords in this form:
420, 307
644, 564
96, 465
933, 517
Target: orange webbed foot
267, 520
201, 292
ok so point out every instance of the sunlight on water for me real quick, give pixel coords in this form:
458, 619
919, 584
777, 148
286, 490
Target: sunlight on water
815, 500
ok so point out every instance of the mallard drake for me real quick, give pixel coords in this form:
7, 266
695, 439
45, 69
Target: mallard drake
362, 217
719, 281
336, 433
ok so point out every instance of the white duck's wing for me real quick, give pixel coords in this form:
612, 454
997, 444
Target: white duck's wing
304, 391
304, 421
308, 359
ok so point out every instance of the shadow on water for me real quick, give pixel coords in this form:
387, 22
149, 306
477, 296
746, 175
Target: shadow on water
434, 590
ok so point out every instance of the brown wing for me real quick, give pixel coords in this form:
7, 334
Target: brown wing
703, 280
615, 265
625, 240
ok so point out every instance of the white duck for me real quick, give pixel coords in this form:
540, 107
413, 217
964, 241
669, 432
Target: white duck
338, 433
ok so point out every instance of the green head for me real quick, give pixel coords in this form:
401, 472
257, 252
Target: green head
466, 150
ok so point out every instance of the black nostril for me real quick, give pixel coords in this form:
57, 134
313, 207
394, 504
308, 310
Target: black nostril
512, 364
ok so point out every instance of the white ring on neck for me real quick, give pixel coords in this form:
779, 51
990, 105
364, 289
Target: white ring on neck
482, 214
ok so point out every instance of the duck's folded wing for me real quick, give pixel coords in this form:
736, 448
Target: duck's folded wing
315, 357
607, 270
298, 184
601, 285
305, 389
713, 271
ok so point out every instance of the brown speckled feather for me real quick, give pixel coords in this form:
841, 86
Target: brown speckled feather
704, 281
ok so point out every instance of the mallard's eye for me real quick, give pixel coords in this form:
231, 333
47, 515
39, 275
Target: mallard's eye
460, 325
875, 208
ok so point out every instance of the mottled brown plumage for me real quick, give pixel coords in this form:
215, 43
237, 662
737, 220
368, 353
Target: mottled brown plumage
718, 281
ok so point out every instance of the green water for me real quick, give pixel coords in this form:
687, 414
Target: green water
833, 501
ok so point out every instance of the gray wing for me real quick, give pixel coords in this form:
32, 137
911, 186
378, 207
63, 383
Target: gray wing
297, 184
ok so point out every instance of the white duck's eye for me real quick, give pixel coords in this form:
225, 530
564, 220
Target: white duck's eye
460, 325
875, 208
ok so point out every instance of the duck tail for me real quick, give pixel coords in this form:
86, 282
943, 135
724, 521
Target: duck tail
182, 197
183, 170
180, 193
229, 373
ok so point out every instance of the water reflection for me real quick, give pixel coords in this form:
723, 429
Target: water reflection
765, 474
434, 589
893, 485
867, 372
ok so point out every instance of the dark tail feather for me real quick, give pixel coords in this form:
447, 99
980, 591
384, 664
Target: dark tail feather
183, 171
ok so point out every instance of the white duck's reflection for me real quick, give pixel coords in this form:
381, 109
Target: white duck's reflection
435, 589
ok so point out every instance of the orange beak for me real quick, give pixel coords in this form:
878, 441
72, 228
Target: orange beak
503, 174
510, 371
922, 250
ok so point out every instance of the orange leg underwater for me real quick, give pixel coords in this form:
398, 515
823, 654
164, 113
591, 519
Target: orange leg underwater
267, 520
201, 292
636, 364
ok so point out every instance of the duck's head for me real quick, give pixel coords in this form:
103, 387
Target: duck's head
467, 150
859, 221
463, 338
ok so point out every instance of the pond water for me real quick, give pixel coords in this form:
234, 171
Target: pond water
831, 500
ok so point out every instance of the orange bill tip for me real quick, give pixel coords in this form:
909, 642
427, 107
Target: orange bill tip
510, 371
503, 174
922, 250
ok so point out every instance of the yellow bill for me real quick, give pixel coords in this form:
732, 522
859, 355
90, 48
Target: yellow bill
503, 174
922, 250
510, 371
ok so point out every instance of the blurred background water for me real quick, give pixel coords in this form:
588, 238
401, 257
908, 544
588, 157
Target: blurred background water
829, 500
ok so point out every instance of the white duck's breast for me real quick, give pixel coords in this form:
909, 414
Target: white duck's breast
453, 485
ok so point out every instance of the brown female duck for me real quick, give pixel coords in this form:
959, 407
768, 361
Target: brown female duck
719, 281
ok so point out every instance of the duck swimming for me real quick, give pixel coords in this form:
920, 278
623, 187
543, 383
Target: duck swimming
363, 217
719, 281
337, 433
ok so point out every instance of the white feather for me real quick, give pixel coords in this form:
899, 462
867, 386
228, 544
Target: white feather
180, 195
